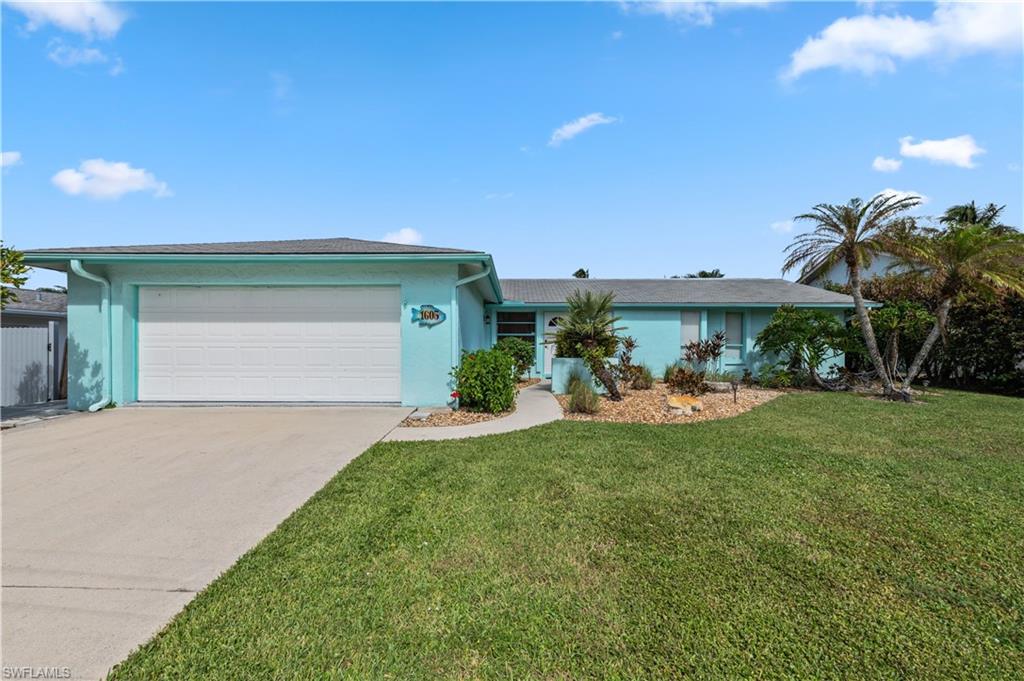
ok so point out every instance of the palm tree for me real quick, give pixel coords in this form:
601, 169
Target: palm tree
985, 257
852, 234
968, 214
588, 330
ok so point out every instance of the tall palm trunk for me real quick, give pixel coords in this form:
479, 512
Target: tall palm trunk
941, 315
868, 331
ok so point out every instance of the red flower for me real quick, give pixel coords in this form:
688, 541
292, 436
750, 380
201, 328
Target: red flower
455, 394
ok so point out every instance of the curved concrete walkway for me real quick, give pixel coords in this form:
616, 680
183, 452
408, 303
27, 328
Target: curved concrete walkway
534, 405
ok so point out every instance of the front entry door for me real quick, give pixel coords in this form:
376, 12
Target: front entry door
550, 326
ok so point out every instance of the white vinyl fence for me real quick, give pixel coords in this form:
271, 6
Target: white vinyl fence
26, 366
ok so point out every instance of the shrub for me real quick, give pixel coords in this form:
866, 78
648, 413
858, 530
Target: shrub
575, 378
485, 381
748, 378
805, 338
666, 373
718, 376
521, 352
778, 376
704, 354
625, 370
583, 399
644, 379
588, 331
685, 380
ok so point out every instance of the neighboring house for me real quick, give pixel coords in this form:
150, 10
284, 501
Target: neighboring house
34, 333
346, 320
881, 265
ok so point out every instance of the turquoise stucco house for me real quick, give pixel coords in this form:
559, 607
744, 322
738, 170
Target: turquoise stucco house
345, 320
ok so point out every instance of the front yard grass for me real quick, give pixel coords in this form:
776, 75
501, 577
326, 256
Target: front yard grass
821, 535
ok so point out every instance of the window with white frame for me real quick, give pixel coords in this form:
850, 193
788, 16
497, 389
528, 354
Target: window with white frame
690, 327
733, 337
517, 325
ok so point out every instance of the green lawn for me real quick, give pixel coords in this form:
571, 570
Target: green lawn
817, 536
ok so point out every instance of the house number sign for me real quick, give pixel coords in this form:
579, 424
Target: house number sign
427, 315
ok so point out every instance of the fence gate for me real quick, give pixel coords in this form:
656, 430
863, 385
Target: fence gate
25, 367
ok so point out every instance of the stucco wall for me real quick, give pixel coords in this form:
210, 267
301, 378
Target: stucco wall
427, 351
471, 318
658, 333
659, 338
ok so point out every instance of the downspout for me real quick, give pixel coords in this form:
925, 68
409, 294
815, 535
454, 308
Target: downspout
76, 267
456, 327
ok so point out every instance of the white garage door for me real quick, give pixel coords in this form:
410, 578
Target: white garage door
270, 344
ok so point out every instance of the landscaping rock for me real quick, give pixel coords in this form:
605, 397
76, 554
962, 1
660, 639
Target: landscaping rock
684, 404
719, 386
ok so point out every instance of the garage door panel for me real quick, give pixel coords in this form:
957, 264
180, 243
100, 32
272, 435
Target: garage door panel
269, 344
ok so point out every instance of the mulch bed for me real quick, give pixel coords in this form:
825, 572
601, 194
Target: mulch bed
649, 406
461, 417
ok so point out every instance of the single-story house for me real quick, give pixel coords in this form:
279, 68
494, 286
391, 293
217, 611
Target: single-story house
347, 320
34, 331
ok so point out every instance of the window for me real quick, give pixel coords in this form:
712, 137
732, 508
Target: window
733, 336
517, 325
691, 327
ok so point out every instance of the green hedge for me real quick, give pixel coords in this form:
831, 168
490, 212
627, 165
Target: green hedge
485, 380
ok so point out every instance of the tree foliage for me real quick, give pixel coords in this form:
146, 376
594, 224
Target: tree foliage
705, 274
13, 272
854, 234
581, 273
806, 339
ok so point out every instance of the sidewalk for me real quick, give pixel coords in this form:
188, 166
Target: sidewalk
534, 405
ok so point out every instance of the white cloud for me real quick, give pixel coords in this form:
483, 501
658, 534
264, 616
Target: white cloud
68, 56
689, 11
101, 179
886, 165
9, 158
782, 226
958, 151
90, 18
493, 196
573, 128
872, 43
902, 194
406, 235
617, 35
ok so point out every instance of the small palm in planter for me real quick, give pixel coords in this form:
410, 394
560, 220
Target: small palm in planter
588, 331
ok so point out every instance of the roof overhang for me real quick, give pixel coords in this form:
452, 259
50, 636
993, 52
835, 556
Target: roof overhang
59, 261
676, 306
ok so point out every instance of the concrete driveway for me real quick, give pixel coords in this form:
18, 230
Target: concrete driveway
113, 521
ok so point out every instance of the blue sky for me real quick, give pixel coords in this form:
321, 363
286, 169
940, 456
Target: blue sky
690, 134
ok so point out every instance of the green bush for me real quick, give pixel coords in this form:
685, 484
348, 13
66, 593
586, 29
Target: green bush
520, 350
583, 399
666, 373
777, 376
644, 379
485, 380
575, 378
685, 380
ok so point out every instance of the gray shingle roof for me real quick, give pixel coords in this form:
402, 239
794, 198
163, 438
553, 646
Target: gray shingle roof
37, 301
676, 291
333, 246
